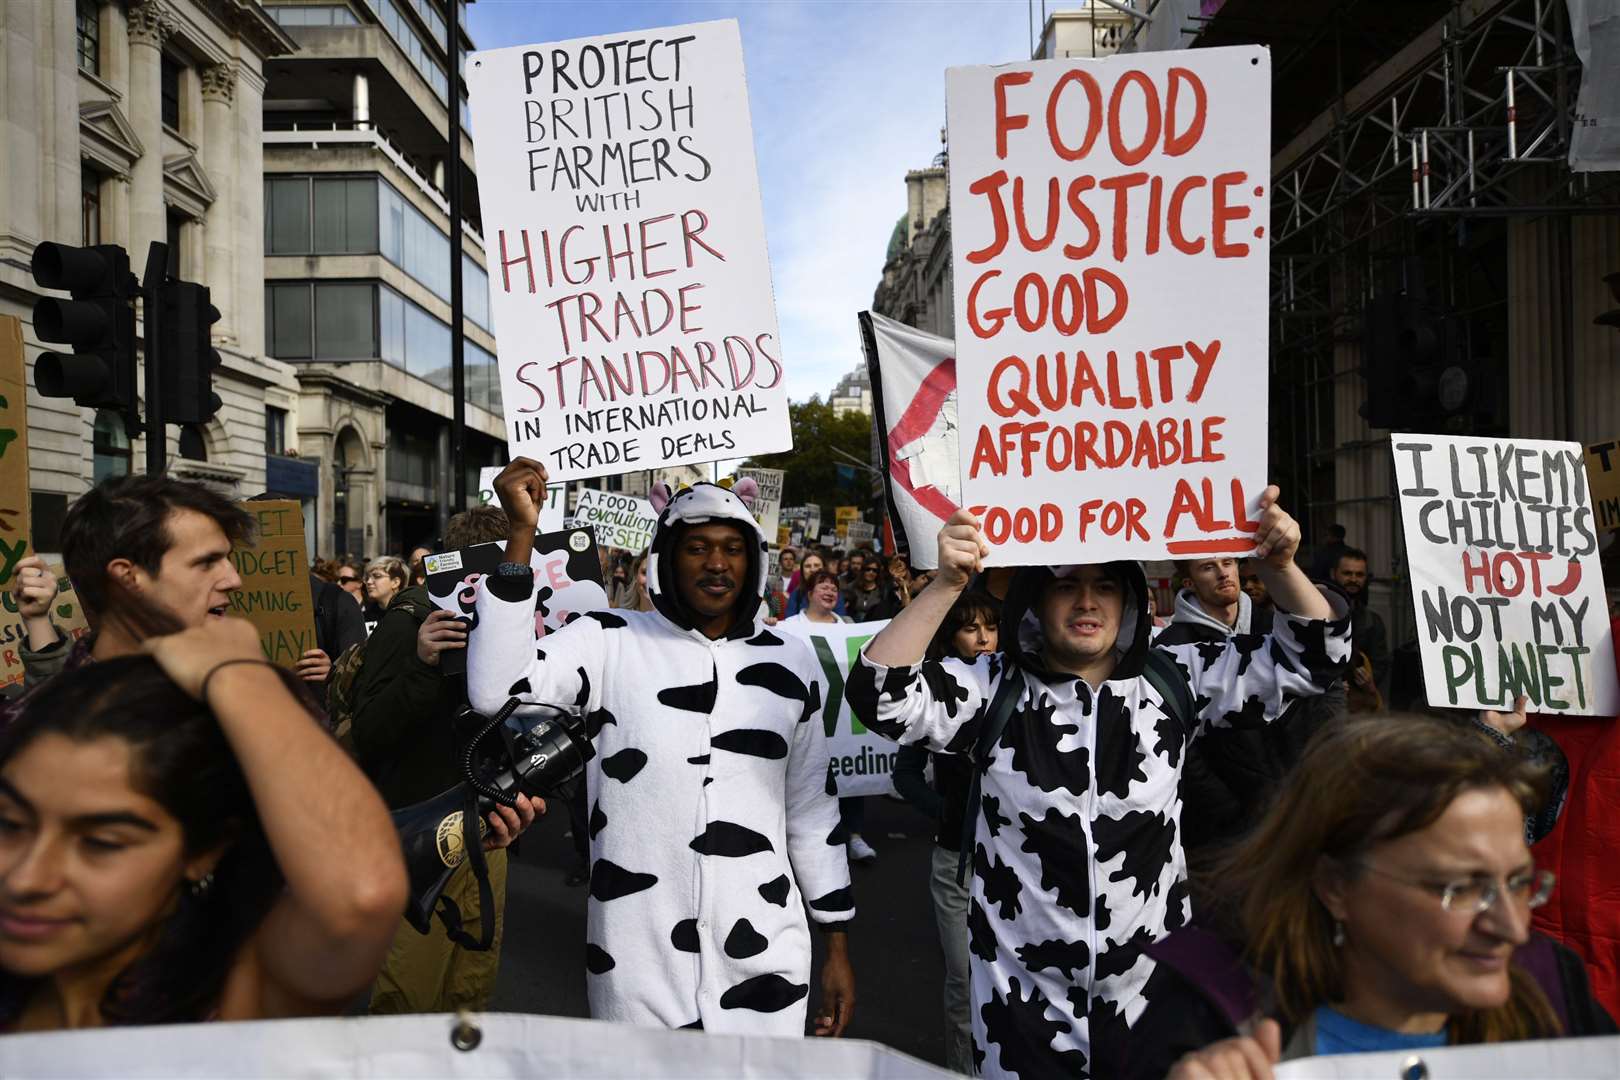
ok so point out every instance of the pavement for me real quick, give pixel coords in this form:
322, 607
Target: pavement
894, 946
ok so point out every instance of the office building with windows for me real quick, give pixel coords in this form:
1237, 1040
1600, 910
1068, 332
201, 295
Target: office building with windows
357, 263
127, 123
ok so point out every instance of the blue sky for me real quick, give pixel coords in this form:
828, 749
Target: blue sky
845, 96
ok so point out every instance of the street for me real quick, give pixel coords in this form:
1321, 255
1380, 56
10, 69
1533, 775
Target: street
894, 946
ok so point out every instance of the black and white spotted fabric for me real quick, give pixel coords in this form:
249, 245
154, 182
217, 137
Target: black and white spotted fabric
1077, 861
712, 813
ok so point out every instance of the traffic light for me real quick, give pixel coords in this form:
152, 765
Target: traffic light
188, 360
99, 322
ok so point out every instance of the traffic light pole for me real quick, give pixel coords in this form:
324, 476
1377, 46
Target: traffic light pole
458, 349
157, 435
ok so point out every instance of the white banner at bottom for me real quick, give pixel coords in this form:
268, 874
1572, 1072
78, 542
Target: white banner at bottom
508, 1045
1566, 1059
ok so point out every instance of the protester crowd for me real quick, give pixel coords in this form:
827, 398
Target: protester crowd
1177, 832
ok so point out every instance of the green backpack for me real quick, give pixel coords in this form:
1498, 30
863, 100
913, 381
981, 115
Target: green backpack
341, 703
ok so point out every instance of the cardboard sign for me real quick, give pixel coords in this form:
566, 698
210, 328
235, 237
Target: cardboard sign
67, 614
784, 536
1108, 226
567, 581
275, 581
1603, 474
860, 534
767, 507
913, 377
15, 535
629, 279
621, 521
551, 514
862, 761
1506, 584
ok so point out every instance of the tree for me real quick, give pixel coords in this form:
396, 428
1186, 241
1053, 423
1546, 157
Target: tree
811, 467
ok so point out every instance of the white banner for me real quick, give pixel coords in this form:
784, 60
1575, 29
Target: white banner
862, 761
507, 1046
1506, 583
551, 514
1108, 222
628, 275
914, 394
1566, 1059
621, 521
768, 504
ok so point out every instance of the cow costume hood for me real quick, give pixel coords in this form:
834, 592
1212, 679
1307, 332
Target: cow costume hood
701, 504
1021, 625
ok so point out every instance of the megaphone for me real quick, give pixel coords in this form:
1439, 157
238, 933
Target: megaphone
532, 759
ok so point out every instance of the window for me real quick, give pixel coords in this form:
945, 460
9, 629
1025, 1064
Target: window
410, 43
286, 216
193, 444
175, 237
89, 36
287, 321
89, 206
344, 321
170, 90
275, 430
109, 445
47, 510
314, 16
345, 219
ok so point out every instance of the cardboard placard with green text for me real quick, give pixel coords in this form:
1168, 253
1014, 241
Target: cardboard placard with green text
275, 593
14, 525
66, 613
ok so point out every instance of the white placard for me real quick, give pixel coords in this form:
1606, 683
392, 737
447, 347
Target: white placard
628, 274
551, 514
767, 508
621, 521
1506, 584
1567, 1059
1108, 226
862, 760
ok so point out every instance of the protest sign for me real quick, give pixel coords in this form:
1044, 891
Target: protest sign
1108, 224
913, 376
767, 506
859, 534
275, 595
1506, 586
1603, 474
551, 514
862, 761
567, 580
1596, 1058
67, 614
15, 536
629, 279
621, 521
784, 536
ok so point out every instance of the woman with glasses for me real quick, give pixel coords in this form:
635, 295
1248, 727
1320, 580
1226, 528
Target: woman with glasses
1383, 904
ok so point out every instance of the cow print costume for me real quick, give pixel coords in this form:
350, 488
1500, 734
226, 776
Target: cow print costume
1077, 861
713, 815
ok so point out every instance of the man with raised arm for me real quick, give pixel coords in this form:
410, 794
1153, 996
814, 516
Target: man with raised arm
1076, 852
713, 816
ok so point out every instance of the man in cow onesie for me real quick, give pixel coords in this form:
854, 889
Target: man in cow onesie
713, 815
1077, 858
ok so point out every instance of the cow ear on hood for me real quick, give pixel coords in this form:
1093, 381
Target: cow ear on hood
746, 489
659, 496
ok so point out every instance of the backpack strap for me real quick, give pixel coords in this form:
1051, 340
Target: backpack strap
1165, 675
473, 841
1002, 703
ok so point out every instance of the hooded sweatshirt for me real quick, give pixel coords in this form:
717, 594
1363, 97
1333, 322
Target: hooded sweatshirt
712, 809
1077, 861
1189, 610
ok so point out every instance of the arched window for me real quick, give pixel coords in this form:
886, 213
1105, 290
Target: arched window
110, 446
193, 445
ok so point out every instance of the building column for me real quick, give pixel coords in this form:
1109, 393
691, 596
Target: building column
149, 26
220, 226
115, 48
362, 102
21, 168
248, 212
114, 191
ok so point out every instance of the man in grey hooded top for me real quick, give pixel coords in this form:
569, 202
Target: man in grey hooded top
1077, 860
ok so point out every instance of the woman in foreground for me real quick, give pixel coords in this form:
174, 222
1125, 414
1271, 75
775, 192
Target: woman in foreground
1383, 904
180, 840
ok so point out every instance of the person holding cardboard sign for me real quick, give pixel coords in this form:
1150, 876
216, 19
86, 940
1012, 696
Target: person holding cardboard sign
1079, 729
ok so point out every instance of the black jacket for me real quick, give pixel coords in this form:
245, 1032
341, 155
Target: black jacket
1231, 773
338, 622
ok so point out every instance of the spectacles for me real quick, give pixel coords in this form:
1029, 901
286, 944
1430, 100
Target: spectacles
1475, 895
344, 580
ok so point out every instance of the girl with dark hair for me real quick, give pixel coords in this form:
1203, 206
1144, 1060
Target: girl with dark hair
968, 631
1383, 904
180, 840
